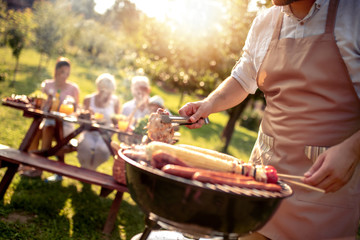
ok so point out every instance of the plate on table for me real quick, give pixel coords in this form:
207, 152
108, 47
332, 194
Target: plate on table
16, 103
58, 114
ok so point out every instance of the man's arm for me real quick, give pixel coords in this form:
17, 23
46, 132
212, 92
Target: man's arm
228, 94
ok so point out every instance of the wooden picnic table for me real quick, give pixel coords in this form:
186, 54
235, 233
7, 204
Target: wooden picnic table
12, 158
84, 124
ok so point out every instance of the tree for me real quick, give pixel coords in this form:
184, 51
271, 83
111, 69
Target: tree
238, 25
96, 40
51, 27
84, 8
18, 33
234, 114
2, 23
123, 16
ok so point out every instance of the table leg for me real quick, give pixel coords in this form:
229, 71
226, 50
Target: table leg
34, 127
61, 143
104, 192
59, 137
110, 221
6, 180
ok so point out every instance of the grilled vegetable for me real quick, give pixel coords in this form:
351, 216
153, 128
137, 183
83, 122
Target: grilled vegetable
190, 157
162, 153
261, 173
214, 153
271, 174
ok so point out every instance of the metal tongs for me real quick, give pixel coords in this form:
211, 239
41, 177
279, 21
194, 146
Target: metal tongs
179, 120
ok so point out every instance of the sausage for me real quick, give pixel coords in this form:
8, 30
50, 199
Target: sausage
226, 175
235, 181
215, 177
188, 172
135, 155
181, 171
159, 159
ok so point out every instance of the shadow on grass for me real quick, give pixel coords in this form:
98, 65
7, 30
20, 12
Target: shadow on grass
64, 213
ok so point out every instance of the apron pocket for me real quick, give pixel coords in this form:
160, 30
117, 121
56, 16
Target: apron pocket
263, 149
347, 197
313, 152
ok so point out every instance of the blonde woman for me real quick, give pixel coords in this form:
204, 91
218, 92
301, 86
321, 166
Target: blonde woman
92, 150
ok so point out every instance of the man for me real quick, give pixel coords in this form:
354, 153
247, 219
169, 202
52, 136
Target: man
305, 56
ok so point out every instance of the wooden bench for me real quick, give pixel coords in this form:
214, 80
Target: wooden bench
12, 158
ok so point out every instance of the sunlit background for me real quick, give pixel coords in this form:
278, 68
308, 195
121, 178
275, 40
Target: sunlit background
190, 45
160, 8
187, 15
195, 16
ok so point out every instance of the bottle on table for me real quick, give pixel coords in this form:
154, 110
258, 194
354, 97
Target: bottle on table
56, 102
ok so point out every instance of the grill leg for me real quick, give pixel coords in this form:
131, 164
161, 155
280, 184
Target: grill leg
150, 224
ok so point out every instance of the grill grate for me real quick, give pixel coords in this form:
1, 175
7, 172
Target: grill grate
250, 192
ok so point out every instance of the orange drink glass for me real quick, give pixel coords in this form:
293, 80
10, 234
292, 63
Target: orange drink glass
123, 125
66, 108
98, 116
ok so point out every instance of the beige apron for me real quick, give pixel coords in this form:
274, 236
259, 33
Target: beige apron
311, 105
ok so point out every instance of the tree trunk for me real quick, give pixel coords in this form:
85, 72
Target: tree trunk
234, 116
15, 71
181, 99
40, 61
229, 128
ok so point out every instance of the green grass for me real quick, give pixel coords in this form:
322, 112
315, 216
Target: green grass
67, 210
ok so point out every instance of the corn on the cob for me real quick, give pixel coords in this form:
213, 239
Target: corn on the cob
190, 157
214, 153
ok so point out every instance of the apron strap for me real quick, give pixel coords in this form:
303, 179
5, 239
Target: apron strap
331, 16
277, 30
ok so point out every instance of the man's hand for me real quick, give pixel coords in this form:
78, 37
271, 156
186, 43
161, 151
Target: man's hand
196, 110
335, 167
227, 95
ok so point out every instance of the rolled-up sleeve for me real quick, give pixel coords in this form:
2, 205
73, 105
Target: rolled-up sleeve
244, 71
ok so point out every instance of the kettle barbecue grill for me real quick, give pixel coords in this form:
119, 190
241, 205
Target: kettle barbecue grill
198, 209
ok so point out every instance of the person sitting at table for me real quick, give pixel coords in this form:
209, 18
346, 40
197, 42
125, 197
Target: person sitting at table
156, 102
92, 150
65, 89
138, 107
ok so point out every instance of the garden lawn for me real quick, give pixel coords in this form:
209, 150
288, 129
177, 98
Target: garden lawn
33, 209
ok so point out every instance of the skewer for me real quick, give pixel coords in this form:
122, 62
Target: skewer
289, 176
305, 185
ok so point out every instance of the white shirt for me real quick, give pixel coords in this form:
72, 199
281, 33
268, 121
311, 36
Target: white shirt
129, 107
107, 111
347, 35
